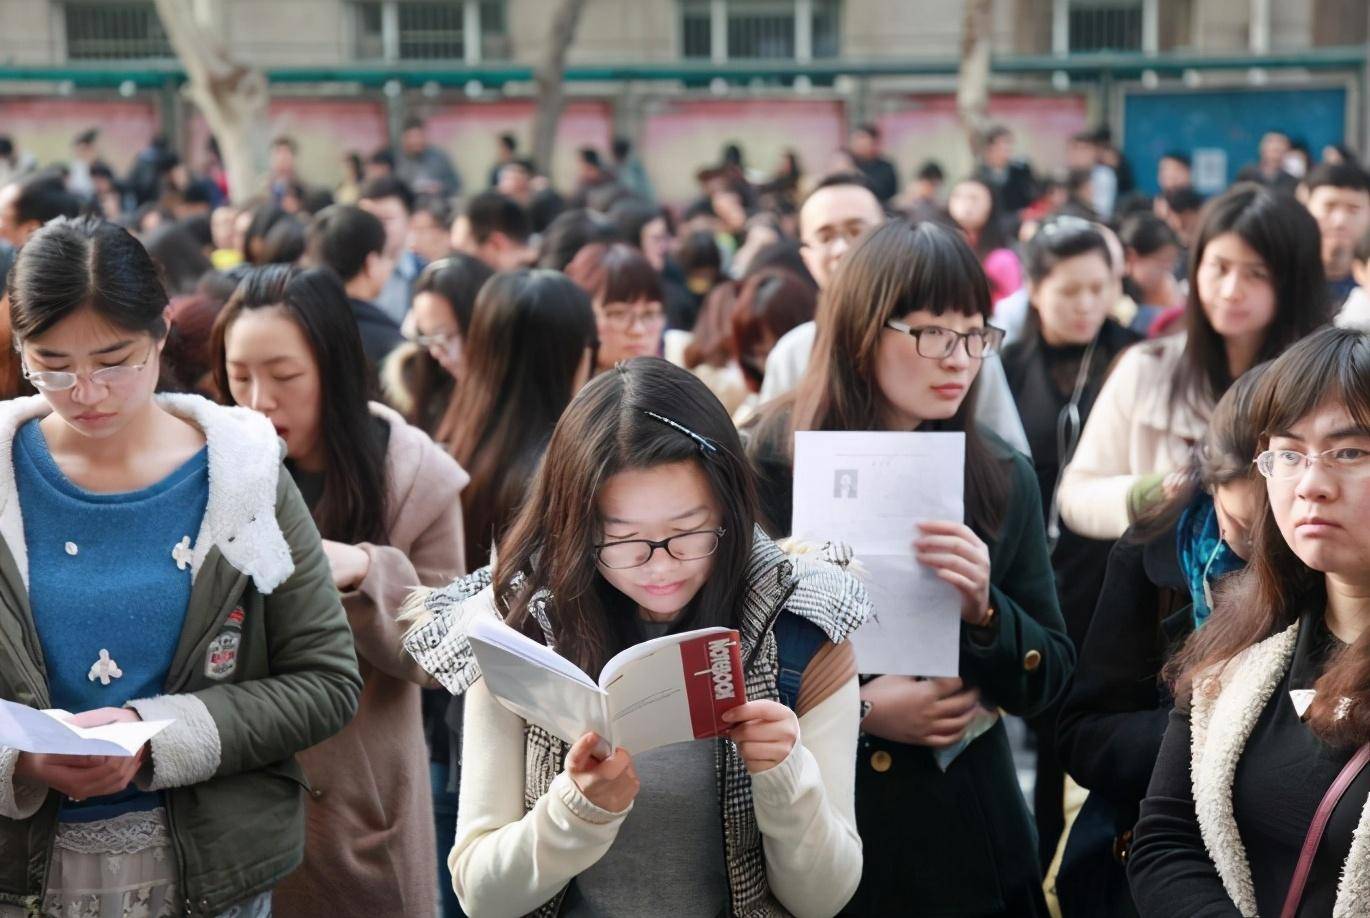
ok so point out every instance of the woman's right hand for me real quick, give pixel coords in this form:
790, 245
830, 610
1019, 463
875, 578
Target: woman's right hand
609, 783
921, 712
80, 777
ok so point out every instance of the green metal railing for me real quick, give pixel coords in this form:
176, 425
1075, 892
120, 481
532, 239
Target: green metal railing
1085, 67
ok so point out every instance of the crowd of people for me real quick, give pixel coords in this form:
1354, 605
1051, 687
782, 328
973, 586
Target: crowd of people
266, 459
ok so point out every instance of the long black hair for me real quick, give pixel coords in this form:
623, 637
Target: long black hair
609, 428
353, 506
1286, 237
85, 263
528, 336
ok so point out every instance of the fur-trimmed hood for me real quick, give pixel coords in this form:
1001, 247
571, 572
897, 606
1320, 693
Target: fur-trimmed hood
244, 470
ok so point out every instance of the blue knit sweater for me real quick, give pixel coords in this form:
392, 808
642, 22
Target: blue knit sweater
103, 577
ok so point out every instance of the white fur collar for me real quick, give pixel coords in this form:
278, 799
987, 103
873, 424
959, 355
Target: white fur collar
1225, 709
244, 468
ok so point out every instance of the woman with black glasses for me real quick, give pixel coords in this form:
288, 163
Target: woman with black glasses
902, 342
640, 523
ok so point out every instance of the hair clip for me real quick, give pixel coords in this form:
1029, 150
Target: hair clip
704, 444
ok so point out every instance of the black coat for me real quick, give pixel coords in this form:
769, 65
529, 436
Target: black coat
1113, 718
1278, 778
380, 334
961, 842
1115, 713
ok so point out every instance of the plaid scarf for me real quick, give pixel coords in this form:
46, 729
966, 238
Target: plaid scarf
815, 586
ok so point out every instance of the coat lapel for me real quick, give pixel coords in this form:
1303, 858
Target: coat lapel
1225, 710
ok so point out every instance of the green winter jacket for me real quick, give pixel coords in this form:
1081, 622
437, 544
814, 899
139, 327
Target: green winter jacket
265, 667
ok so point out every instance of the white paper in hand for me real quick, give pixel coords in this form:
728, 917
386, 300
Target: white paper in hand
869, 489
46, 733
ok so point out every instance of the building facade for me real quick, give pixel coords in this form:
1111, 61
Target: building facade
683, 77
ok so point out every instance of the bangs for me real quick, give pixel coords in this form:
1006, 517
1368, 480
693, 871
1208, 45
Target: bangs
629, 277
1330, 367
938, 273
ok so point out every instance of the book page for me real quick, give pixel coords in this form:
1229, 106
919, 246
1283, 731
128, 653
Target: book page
869, 489
537, 683
46, 733
674, 689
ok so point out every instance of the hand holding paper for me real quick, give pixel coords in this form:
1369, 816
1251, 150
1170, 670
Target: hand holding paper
869, 489
60, 733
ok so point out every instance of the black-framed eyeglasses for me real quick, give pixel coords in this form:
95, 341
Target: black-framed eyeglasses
688, 546
937, 343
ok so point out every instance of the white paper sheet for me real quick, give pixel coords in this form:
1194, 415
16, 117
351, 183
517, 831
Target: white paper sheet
869, 489
46, 733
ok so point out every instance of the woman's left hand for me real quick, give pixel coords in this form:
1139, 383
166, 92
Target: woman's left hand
764, 731
350, 564
961, 559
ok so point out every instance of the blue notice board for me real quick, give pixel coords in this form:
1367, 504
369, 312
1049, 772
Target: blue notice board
1221, 129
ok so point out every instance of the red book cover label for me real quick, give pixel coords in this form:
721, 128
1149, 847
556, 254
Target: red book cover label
713, 681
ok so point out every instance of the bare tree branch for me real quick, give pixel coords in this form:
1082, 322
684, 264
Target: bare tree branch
972, 87
548, 79
232, 96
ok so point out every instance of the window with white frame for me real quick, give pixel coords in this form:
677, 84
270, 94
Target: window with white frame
1106, 25
97, 30
431, 30
742, 30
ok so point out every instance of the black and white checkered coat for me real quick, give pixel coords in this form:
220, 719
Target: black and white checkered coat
816, 587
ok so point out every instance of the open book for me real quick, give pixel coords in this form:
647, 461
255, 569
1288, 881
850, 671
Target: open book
667, 690
46, 732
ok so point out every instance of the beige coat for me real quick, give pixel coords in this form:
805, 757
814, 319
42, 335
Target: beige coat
1131, 432
371, 848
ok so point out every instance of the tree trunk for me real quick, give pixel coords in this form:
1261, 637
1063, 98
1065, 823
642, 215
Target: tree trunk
548, 79
232, 96
972, 86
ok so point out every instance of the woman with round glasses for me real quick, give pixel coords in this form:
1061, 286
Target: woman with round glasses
1273, 693
640, 523
1255, 287
900, 348
419, 378
626, 294
1055, 370
156, 563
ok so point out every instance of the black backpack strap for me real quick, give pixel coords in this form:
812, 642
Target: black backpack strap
797, 640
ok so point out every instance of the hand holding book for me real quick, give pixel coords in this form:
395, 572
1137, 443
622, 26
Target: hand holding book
765, 732
609, 782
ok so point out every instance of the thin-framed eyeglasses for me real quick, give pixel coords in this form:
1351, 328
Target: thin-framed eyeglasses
437, 339
937, 343
109, 377
630, 553
850, 234
1288, 464
624, 319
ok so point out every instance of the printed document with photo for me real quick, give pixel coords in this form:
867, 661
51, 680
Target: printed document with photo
869, 489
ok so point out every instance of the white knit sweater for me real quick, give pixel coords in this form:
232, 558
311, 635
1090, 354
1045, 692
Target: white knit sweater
506, 862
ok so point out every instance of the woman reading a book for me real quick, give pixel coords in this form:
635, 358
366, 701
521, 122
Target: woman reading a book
640, 524
903, 339
156, 563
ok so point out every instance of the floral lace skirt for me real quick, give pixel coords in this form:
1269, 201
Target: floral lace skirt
124, 867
